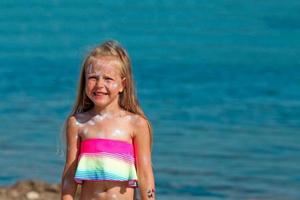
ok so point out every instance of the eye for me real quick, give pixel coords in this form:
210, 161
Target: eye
108, 78
92, 77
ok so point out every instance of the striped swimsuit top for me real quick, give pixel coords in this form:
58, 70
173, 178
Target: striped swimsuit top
106, 160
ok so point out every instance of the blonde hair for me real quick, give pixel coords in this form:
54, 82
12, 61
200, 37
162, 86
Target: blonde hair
127, 98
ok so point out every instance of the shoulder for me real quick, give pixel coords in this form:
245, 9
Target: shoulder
140, 124
142, 134
80, 118
136, 119
71, 122
77, 119
140, 121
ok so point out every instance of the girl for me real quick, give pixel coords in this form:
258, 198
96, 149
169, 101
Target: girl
108, 136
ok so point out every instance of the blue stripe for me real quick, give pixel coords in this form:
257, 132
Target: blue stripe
98, 175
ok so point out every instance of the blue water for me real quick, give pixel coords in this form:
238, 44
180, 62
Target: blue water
219, 80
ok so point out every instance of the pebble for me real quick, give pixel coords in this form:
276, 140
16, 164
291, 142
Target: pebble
32, 195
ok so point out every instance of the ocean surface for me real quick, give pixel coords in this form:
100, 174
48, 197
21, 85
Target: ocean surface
219, 80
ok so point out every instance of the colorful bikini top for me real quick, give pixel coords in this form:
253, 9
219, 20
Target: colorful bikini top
106, 159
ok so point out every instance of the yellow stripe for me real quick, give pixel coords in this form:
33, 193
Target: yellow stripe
111, 165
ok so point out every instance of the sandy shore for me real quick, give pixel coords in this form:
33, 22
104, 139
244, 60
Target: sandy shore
40, 190
31, 190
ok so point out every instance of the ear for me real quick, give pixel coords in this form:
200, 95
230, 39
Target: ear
123, 81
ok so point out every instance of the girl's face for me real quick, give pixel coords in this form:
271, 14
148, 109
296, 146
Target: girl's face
103, 81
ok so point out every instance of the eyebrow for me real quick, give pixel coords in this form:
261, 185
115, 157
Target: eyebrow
95, 74
88, 73
92, 74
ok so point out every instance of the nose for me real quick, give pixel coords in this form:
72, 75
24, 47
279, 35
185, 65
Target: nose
100, 82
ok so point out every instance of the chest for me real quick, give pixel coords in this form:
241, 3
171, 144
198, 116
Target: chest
110, 129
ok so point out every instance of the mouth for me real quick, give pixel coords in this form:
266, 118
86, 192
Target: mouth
99, 94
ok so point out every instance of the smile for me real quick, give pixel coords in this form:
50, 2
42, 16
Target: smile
99, 93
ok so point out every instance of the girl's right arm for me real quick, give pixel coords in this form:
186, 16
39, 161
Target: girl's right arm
68, 184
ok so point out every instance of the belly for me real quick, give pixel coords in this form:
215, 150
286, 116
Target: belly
106, 190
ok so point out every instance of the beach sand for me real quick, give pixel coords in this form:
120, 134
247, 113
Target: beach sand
40, 190
31, 190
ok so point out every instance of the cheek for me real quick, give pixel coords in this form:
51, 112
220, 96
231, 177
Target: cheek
90, 85
112, 85
88, 89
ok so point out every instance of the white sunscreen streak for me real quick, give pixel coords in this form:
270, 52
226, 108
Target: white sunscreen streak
98, 192
91, 122
114, 85
128, 118
89, 69
117, 132
85, 131
98, 73
114, 196
100, 117
78, 123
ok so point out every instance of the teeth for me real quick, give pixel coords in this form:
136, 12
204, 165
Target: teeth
99, 93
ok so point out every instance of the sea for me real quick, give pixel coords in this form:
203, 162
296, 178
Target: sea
219, 80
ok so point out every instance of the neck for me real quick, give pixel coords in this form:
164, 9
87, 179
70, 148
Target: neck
111, 109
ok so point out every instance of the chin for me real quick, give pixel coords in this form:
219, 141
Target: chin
100, 103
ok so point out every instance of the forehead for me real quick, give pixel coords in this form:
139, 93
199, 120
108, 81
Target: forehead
105, 65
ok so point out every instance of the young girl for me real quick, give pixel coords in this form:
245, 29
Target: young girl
108, 136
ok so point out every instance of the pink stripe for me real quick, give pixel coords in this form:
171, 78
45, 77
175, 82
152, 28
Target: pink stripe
131, 183
96, 145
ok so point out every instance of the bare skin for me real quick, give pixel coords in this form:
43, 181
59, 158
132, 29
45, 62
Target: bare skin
119, 127
107, 120
106, 190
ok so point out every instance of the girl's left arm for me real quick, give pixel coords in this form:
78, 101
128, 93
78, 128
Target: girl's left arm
142, 146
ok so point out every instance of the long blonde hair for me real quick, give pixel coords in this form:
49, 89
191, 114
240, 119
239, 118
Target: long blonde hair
127, 99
